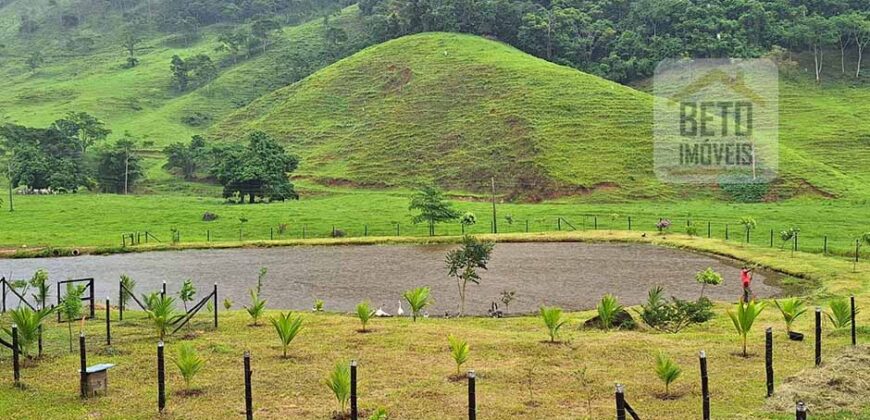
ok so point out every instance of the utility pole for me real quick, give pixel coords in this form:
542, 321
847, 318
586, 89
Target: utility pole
126, 167
494, 220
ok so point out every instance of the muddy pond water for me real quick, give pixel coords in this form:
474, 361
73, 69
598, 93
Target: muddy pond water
571, 275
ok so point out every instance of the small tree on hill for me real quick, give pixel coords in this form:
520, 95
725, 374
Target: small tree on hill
463, 263
433, 208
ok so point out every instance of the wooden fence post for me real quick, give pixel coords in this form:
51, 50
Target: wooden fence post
825, 248
709, 230
120, 301
854, 332
726, 231
83, 370
215, 304
472, 398
108, 323
620, 402
800, 411
768, 359
818, 335
161, 378
705, 387
163, 289
249, 401
629, 222
16, 359
354, 412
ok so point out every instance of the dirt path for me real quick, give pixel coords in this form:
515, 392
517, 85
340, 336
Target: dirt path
571, 275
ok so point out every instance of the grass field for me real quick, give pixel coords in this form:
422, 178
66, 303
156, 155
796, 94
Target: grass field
405, 366
81, 220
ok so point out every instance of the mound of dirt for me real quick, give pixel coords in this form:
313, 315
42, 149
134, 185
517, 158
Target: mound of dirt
842, 383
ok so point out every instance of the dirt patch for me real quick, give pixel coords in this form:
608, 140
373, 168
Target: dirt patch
397, 77
842, 383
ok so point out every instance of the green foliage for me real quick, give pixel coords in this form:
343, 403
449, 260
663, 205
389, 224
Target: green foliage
365, 313
40, 283
787, 235
187, 159
129, 288
608, 307
259, 170
463, 263
338, 382
667, 370
318, 305
468, 219
672, 316
743, 317
189, 363
257, 307
552, 317
840, 313
71, 307
459, 351
433, 208
379, 414
28, 322
708, 277
742, 188
287, 328
119, 167
791, 309
187, 292
228, 303
162, 313
417, 299
43, 158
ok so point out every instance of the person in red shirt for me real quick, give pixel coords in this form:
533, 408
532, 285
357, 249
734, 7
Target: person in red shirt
746, 279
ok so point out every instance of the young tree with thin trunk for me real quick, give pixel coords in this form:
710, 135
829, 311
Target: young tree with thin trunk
463, 263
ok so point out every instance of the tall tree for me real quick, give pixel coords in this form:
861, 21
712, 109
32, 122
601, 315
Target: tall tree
180, 73
119, 167
84, 127
259, 170
186, 158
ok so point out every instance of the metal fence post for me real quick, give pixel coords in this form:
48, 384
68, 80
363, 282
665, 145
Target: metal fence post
472, 398
726, 231
249, 402
163, 290
215, 304
120, 301
825, 248
818, 335
620, 402
161, 377
768, 359
705, 387
354, 414
771, 238
709, 230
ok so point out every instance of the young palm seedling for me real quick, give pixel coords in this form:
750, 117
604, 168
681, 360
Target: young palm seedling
791, 309
365, 313
459, 351
189, 363
417, 299
129, 286
743, 317
667, 370
287, 329
28, 322
608, 308
552, 317
258, 306
338, 382
162, 314
840, 313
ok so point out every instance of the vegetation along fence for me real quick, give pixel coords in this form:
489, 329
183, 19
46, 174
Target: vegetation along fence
623, 408
851, 245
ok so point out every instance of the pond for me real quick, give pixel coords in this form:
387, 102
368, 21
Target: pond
568, 274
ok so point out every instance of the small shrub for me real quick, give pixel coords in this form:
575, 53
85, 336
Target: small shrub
338, 382
708, 277
743, 317
338, 233
673, 316
840, 313
209, 216
468, 219
507, 297
228, 303
662, 225
608, 308
258, 306
187, 292
287, 328
28, 322
791, 309
417, 299
71, 307
365, 313
318, 305
189, 363
459, 351
379, 414
162, 313
691, 230
744, 189
667, 370
552, 317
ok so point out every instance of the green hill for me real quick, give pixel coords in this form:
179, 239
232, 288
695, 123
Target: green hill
459, 109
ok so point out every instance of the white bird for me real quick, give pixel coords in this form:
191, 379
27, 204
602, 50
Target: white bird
380, 313
400, 311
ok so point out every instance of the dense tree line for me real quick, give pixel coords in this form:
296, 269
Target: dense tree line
623, 40
61, 158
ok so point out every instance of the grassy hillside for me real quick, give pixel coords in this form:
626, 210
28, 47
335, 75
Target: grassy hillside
458, 109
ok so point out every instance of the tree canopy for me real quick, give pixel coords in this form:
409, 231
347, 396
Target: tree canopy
433, 208
260, 169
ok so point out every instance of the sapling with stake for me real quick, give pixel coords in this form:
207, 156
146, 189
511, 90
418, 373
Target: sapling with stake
338, 382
